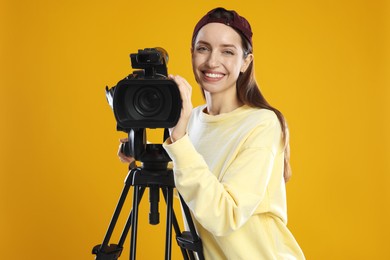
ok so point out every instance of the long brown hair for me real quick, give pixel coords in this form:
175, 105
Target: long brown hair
249, 93
248, 90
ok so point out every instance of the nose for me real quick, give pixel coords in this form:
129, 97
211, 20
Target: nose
213, 60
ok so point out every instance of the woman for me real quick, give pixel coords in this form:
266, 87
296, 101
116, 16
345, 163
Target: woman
231, 155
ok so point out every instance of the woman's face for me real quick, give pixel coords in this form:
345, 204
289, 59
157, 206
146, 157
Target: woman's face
218, 58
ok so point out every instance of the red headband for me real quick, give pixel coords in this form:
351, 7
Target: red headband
237, 22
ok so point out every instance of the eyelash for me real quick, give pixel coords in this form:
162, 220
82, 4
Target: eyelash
203, 48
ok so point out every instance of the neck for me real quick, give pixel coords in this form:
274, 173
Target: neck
218, 105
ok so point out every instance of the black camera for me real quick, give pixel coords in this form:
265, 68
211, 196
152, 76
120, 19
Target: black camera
146, 98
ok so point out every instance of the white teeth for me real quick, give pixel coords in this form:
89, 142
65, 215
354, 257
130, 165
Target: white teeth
213, 75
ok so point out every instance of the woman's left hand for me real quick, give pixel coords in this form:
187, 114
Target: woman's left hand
185, 89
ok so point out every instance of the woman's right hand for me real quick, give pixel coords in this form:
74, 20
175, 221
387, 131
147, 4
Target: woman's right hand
122, 157
185, 89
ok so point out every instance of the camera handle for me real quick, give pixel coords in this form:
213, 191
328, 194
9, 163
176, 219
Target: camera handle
188, 241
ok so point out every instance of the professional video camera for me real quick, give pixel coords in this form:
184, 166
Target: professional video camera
146, 98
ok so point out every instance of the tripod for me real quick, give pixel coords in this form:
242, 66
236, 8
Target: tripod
156, 177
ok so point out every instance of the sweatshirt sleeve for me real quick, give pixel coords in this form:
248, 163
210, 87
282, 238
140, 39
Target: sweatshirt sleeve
222, 206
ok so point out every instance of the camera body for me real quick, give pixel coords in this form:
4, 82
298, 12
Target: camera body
146, 98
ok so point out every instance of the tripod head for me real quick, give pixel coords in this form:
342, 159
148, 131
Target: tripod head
152, 156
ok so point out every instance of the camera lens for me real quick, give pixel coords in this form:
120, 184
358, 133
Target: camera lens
148, 101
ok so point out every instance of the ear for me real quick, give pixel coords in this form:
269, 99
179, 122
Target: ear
247, 61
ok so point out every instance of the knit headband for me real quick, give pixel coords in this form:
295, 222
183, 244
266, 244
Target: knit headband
237, 22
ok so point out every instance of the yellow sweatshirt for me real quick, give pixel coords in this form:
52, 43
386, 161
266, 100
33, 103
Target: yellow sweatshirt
229, 170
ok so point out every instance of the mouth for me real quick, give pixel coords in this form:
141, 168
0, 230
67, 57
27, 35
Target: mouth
213, 75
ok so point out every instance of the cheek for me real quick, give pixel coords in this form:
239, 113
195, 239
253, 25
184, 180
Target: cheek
235, 67
196, 61
195, 65
240, 65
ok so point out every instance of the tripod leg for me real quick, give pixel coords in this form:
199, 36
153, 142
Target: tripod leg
168, 238
172, 220
129, 221
134, 221
115, 216
113, 251
191, 238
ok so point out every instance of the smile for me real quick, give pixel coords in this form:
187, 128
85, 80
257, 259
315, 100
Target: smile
213, 75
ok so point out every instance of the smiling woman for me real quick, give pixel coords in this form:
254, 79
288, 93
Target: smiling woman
238, 145
230, 155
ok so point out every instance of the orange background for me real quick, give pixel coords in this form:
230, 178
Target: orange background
325, 64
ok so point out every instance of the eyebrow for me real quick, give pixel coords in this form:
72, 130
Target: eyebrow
222, 45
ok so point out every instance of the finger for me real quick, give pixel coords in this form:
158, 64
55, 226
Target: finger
124, 140
128, 160
184, 88
185, 82
182, 81
125, 159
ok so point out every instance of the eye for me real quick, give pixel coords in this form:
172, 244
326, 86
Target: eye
202, 49
228, 52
